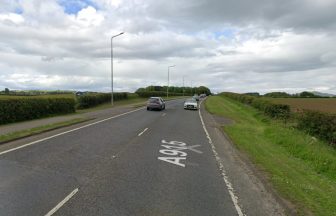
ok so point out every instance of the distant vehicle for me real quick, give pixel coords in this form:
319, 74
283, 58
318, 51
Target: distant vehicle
156, 103
202, 95
190, 104
196, 97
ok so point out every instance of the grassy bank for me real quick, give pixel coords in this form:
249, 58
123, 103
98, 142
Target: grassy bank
33, 131
301, 168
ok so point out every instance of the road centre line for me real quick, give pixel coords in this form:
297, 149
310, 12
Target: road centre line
142, 132
229, 186
59, 205
69, 131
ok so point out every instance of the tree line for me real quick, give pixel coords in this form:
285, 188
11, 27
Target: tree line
304, 94
176, 90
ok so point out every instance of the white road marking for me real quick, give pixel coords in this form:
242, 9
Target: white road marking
69, 131
142, 132
221, 168
164, 114
176, 148
59, 205
173, 160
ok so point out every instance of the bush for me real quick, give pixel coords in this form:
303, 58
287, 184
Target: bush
279, 111
27, 108
91, 100
322, 125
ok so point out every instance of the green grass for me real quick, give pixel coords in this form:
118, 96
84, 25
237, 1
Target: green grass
24, 133
301, 168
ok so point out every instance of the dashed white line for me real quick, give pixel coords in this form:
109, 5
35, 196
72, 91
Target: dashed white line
164, 114
69, 131
229, 186
142, 132
59, 205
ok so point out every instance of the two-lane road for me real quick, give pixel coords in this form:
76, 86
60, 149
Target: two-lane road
140, 163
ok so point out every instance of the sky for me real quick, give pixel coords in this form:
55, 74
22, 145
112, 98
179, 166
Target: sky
226, 45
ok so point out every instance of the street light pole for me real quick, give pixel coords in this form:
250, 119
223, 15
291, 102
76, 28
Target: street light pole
183, 86
112, 65
168, 79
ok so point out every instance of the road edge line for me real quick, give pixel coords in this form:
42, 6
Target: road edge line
60, 204
66, 132
228, 184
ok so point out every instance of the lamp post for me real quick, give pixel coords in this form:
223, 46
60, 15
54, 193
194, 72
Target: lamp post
183, 86
168, 78
112, 65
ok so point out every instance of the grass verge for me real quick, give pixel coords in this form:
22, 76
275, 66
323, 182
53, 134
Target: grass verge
33, 131
301, 168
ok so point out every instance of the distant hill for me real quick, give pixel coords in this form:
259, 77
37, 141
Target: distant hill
323, 94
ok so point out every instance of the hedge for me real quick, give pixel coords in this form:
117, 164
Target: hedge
279, 111
20, 109
322, 125
91, 100
146, 94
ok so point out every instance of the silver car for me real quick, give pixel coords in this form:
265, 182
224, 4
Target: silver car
156, 103
191, 104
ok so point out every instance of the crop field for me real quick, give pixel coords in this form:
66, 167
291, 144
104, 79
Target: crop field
319, 104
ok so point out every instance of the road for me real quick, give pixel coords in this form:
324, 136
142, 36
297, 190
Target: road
139, 163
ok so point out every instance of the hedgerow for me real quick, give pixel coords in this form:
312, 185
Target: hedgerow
321, 125
91, 100
279, 111
14, 109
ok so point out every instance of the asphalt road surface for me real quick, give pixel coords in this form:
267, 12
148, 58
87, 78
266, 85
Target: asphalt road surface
139, 163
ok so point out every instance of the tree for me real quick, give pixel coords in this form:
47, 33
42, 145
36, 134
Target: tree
307, 94
7, 91
203, 90
277, 95
255, 94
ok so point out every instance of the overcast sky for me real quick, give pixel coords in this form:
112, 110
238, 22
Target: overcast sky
227, 45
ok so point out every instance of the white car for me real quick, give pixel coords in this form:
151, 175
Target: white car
191, 104
196, 97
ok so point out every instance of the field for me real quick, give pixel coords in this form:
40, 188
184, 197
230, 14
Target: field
318, 104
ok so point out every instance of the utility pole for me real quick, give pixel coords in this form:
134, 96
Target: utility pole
112, 65
168, 79
183, 86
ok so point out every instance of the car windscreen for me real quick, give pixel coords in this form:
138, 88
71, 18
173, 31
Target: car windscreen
153, 100
190, 101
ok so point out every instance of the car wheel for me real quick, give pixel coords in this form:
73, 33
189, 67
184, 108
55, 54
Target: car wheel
147, 108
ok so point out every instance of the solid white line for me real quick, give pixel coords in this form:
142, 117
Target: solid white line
229, 186
59, 205
69, 131
142, 132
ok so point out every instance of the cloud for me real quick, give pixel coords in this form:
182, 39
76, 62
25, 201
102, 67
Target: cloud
12, 18
230, 45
